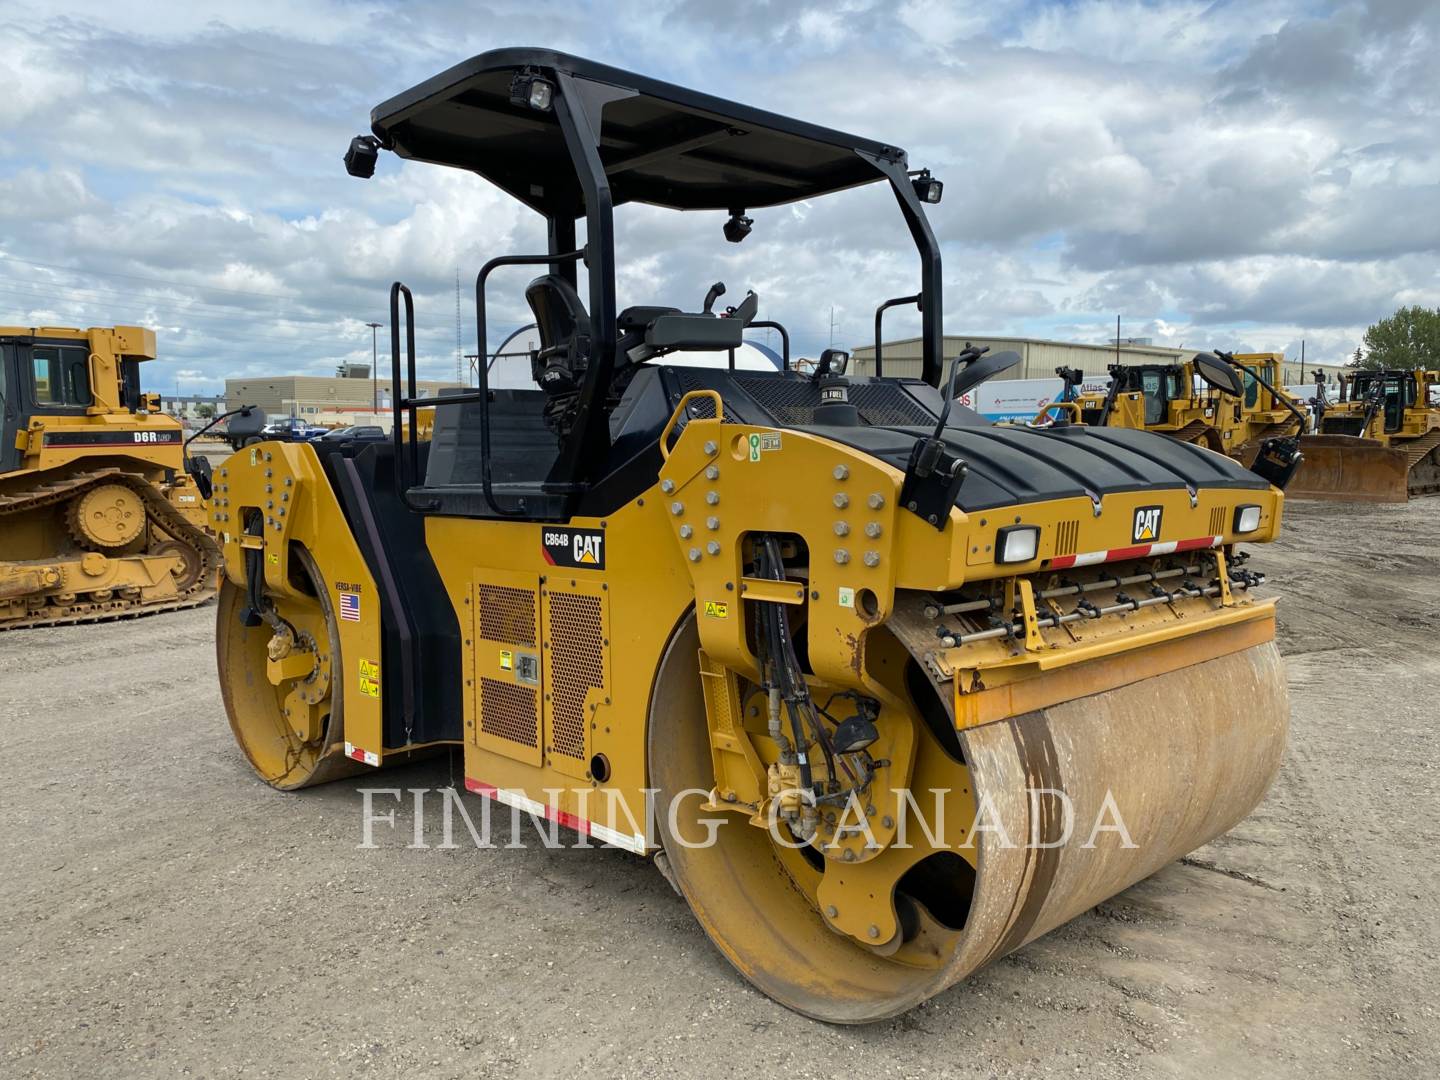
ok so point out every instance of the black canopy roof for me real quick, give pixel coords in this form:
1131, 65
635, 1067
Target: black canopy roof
659, 143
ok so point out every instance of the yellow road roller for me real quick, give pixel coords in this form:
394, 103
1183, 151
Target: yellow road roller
885, 690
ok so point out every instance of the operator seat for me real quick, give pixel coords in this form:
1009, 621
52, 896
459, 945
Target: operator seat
559, 365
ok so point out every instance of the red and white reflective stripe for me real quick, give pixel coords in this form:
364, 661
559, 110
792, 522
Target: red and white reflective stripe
353, 751
1139, 551
603, 833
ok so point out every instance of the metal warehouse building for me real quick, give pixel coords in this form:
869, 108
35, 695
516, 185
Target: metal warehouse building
311, 395
1039, 358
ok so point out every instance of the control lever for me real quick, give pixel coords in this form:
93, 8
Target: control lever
716, 291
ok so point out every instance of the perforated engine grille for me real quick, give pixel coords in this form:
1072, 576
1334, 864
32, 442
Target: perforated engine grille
793, 401
508, 712
507, 614
576, 666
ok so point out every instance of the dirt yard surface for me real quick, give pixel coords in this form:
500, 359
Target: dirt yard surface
163, 913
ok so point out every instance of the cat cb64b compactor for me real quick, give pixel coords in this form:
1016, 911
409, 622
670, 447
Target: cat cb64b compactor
98, 518
766, 627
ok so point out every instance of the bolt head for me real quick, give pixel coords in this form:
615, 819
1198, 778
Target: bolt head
694, 554
849, 855
874, 931
832, 911
677, 508
712, 472
842, 556
685, 532
712, 497
842, 529
876, 501
841, 472
711, 448
713, 547
873, 530
841, 500
712, 523
667, 485
872, 558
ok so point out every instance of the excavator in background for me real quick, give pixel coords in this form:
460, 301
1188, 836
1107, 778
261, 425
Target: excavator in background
872, 680
98, 517
1379, 443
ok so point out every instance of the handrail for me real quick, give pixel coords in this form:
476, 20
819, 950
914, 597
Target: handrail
898, 301
482, 364
769, 324
680, 411
407, 468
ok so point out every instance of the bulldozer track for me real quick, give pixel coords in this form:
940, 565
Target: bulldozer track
1421, 447
158, 510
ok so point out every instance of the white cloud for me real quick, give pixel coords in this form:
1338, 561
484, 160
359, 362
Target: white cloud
1259, 171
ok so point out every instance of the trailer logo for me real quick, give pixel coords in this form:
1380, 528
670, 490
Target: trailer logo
1147, 524
579, 548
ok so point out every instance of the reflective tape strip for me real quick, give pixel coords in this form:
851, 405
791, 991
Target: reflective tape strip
354, 752
1139, 551
603, 833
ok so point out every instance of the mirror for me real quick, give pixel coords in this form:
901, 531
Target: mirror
987, 367
246, 422
1218, 374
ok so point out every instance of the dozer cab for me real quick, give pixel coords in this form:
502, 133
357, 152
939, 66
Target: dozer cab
1264, 410
1157, 397
1379, 443
885, 690
98, 517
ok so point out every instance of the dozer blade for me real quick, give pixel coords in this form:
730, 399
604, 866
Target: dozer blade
1350, 469
1177, 759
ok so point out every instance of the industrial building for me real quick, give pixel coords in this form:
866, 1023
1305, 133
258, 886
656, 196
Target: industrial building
1040, 358
312, 397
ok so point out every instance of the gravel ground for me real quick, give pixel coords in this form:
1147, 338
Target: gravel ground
164, 913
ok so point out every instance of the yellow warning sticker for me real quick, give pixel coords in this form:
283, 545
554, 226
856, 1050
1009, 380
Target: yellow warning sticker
507, 660
370, 678
273, 558
847, 597
254, 457
714, 609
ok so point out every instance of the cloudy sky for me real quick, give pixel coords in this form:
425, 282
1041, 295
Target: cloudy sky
1218, 174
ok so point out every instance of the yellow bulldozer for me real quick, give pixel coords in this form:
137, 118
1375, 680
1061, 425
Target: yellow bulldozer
1263, 410
886, 691
1162, 398
1169, 399
98, 517
1379, 443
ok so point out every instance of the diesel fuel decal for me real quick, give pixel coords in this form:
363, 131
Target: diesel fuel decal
576, 548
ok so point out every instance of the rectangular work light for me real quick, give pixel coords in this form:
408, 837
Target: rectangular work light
1017, 543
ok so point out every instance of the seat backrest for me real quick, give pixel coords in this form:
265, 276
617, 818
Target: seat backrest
559, 314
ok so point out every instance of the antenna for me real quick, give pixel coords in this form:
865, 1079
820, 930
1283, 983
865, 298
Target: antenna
832, 326
459, 349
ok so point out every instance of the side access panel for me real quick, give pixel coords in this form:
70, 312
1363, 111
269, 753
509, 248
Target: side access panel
508, 680
577, 670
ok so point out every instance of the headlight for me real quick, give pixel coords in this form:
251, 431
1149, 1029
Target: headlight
1247, 519
1017, 543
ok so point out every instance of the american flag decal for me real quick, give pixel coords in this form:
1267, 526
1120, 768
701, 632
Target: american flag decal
350, 606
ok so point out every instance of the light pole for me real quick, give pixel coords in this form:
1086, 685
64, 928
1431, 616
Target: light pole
374, 362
